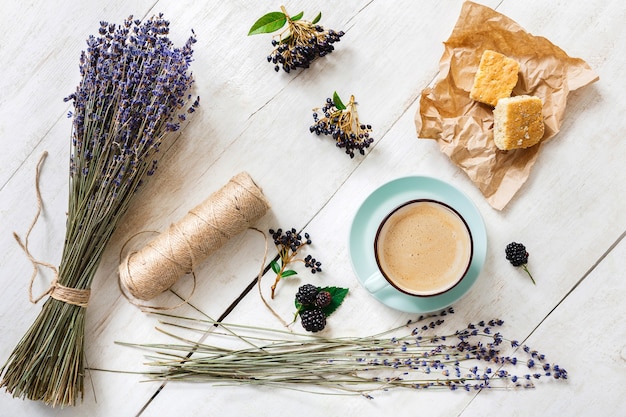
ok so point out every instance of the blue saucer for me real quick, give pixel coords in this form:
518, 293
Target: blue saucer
387, 197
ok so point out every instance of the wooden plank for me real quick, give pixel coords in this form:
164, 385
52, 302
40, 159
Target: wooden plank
39, 54
254, 119
503, 291
586, 336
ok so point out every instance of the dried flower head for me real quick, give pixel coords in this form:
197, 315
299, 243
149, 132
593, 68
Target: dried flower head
133, 92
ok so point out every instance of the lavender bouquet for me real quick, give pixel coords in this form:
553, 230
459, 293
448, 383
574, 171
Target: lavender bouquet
133, 94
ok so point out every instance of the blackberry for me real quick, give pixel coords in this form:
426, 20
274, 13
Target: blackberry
313, 320
518, 256
307, 294
323, 299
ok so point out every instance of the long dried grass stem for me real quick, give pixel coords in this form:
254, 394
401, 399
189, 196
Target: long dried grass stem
408, 356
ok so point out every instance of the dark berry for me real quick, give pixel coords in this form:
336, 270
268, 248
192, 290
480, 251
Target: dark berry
290, 239
323, 299
343, 126
305, 43
307, 294
313, 264
313, 320
518, 256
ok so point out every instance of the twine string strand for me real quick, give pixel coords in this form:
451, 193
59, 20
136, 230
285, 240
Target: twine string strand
75, 296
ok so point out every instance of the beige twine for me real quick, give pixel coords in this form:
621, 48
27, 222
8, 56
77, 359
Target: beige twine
75, 296
187, 243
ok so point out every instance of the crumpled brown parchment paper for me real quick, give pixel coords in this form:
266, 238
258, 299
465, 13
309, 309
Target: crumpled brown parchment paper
464, 128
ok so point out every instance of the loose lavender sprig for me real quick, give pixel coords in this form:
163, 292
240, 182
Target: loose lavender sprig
472, 358
133, 94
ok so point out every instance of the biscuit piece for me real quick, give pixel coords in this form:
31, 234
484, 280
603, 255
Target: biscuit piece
495, 78
518, 122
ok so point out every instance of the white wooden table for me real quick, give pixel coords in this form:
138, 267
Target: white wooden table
570, 214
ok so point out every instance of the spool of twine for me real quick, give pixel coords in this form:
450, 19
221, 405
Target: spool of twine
189, 242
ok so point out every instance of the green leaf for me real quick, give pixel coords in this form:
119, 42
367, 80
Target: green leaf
275, 267
269, 23
338, 103
288, 273
317, 18
337, 295
297, 17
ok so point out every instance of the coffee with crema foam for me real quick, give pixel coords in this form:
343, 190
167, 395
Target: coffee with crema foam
423, 248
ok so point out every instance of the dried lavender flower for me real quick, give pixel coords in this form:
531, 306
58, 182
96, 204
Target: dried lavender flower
409, 356
133, 93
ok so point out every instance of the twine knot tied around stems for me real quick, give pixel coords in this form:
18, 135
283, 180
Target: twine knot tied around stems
75, 296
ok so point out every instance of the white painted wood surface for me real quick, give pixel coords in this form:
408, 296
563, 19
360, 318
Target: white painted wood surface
570, 214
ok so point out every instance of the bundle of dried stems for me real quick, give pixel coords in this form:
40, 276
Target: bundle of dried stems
133, 94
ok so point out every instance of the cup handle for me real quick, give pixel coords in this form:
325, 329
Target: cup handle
375, 282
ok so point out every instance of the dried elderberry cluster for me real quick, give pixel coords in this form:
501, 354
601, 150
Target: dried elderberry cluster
303, 44
299, 43
289, 243
342, 123
290, 239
